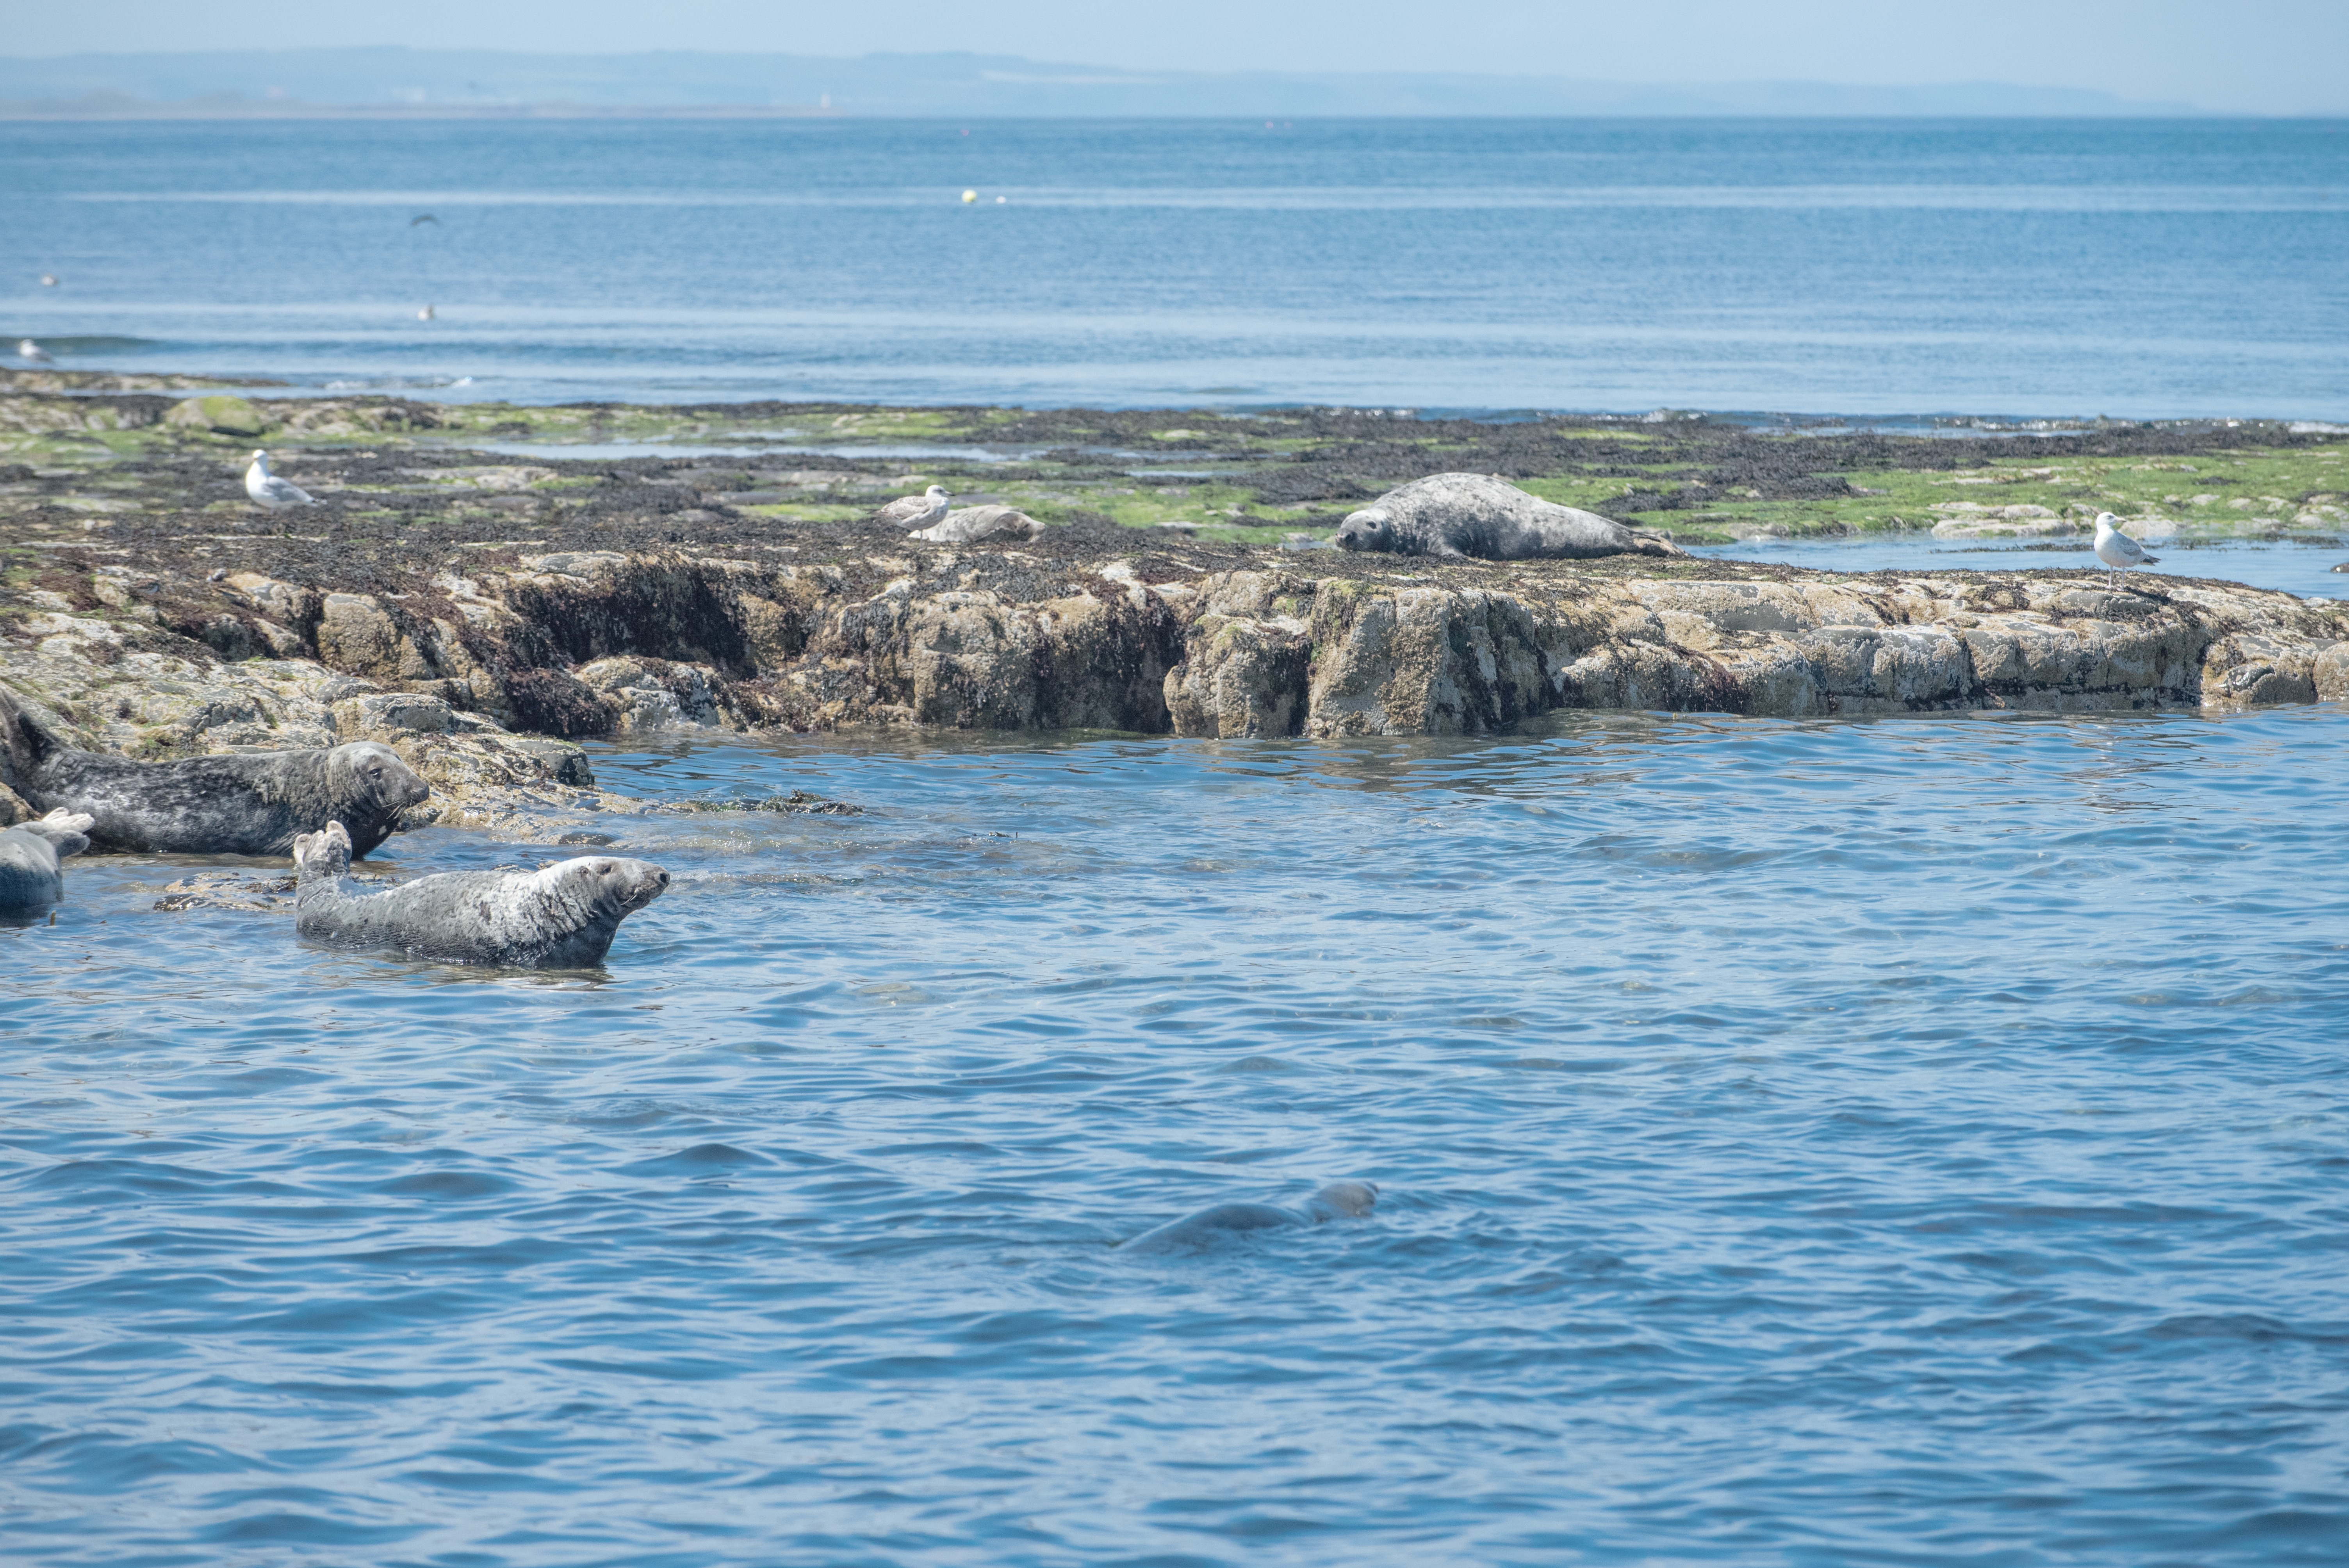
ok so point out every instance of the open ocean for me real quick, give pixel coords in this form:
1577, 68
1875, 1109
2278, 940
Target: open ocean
2138, 269
1810, 1144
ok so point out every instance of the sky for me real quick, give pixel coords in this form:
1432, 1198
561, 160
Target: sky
2261, 57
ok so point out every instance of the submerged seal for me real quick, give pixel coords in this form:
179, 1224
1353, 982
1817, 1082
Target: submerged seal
250, 803
1492, 520
560, 917
1338, 1200
29, 852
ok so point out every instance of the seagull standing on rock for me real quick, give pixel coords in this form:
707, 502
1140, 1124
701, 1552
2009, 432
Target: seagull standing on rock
2118, 549
917, 511
32, 353
271, 492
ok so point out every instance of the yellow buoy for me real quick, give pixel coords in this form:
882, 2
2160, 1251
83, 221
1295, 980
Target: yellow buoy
970, 196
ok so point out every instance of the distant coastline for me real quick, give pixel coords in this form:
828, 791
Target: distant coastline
390, 83
236, 106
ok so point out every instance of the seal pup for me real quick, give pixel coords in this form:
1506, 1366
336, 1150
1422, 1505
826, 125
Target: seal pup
2118, 549
271, 491
29, 853
1338, 1200
913, 511
1490, 518
246, 803
560, 917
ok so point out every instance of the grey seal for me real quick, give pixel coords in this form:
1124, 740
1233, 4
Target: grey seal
248, 804
1492, 520
1338, 1200
562, 916
969, 524
29, 852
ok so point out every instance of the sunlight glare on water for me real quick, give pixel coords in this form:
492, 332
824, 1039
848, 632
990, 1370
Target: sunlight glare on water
1821, 1142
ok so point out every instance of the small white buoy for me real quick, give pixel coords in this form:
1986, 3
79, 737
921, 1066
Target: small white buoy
48, 279
999, 200
969, 196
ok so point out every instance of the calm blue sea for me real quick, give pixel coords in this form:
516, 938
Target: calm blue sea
1872, 1144
2026, 268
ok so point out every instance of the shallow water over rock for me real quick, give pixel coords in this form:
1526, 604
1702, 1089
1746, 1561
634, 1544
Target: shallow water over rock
1798, 1142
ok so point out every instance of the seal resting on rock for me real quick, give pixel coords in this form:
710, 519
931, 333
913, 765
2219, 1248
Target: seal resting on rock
966, 525
1492, 520
1338, 1200
248, 804
29, 852
560, 917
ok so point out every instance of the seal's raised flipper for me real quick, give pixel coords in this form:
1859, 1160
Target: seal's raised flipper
324, 854
66, 831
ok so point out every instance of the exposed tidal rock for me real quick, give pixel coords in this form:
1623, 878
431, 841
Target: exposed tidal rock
101, 687
469, 661
1425, 660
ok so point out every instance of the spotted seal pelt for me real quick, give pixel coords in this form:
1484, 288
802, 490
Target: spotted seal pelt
969, 524
248, 804
1338, 1200
1492, 520
560, 917
29, 852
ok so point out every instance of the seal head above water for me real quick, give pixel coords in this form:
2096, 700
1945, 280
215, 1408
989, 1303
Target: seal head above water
29, 853
562, 916
1489, 519
1338, 1200
246, 803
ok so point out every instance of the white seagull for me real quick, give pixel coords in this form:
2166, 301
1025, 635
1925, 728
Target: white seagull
917, 511
2118, 549
32, 353
424, 314
269, 489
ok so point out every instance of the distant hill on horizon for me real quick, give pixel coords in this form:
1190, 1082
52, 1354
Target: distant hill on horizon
293, 83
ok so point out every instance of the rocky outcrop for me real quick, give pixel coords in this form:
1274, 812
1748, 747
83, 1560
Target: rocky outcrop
1336, 658
101, 686
462, 668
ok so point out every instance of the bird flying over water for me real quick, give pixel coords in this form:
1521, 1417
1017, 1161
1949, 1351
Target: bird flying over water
32, 353
271, 492
913, 511
2118, 549
422, 218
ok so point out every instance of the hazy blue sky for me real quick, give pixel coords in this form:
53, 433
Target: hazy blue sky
2259, 56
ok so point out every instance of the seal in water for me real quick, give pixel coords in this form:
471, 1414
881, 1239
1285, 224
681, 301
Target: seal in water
1338, 1200
249, 803
560, 917
29, 853
1492, 520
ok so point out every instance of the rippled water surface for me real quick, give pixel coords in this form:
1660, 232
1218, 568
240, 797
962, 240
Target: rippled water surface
1904, 1142
2136, 268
